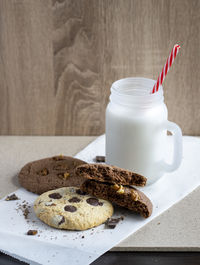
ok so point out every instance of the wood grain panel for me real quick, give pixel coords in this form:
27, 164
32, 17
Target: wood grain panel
58, 59
138, 37
77, 47
26, 68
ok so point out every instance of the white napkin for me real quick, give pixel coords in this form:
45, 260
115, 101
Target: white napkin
54, 246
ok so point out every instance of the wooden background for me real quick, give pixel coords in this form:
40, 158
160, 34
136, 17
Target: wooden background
59, 58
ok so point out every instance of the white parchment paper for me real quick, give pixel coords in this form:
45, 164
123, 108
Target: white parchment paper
53, 246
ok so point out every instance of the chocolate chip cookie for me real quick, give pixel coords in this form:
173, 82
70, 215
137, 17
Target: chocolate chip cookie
124, 196
70, 208
110, 174
50, 173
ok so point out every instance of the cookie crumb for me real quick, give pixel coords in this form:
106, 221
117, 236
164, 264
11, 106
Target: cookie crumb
100, 159
26, 213
32, 232
24, 208
11, 197
112, 222
158, 223
82, 237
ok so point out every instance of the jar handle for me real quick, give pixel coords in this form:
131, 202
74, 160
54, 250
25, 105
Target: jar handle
177, 141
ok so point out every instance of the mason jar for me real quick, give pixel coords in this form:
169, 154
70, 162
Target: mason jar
136, 129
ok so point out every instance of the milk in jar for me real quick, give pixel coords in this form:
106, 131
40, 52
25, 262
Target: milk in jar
136, 129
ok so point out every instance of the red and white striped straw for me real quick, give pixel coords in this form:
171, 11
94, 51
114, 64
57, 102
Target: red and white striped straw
166, 68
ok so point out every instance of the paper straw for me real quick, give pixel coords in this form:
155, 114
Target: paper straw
166, 68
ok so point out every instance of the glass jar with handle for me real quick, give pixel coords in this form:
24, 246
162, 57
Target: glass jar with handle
136, 129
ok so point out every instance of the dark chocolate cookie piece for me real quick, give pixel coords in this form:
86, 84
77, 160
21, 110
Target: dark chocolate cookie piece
50, 173
100, 159
111, 174
123, 196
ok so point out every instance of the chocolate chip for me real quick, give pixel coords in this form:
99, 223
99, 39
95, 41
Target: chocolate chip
100, 159
100, 203
112, 222
93, 201
70, 208
55, 195
62, 221
80, 192
82, 237
74, 199
12, 197
32, 232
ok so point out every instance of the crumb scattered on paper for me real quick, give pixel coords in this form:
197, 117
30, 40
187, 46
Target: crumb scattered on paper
24, 207
112, 222
32, 232
11, 197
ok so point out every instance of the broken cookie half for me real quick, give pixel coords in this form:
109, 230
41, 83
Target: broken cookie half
110, 174
115, 184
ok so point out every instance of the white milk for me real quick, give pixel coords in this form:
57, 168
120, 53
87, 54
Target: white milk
136, 129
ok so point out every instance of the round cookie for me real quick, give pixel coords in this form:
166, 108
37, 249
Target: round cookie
69, 208
50, 173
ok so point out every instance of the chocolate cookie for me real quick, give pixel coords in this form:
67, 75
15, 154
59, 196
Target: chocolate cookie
50, 173
124, 196
68, 208
110, 174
